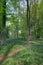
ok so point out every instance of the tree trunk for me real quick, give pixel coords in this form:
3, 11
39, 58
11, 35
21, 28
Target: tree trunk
35, 11
28, 19
17, 31
3, 33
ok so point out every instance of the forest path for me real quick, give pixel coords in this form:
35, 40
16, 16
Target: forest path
12, 53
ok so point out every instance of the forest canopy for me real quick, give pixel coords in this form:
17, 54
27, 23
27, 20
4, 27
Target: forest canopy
21, 18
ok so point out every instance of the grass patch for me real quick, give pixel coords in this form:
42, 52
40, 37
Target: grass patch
31, 55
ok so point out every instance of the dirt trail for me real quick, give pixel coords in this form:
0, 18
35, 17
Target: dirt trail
15, 52
11, 54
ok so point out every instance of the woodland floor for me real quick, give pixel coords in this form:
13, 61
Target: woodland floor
21, 52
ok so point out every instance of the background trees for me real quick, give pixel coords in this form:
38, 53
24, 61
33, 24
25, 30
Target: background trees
21, 18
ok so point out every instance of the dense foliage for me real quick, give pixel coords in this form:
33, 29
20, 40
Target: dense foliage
16, 18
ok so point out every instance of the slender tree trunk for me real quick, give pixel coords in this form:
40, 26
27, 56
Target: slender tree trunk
35, 18
28, 19
3, 33
17, 31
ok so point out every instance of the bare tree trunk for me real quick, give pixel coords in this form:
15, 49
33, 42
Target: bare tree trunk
3, 33
28, 19
35, 11
17, 31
